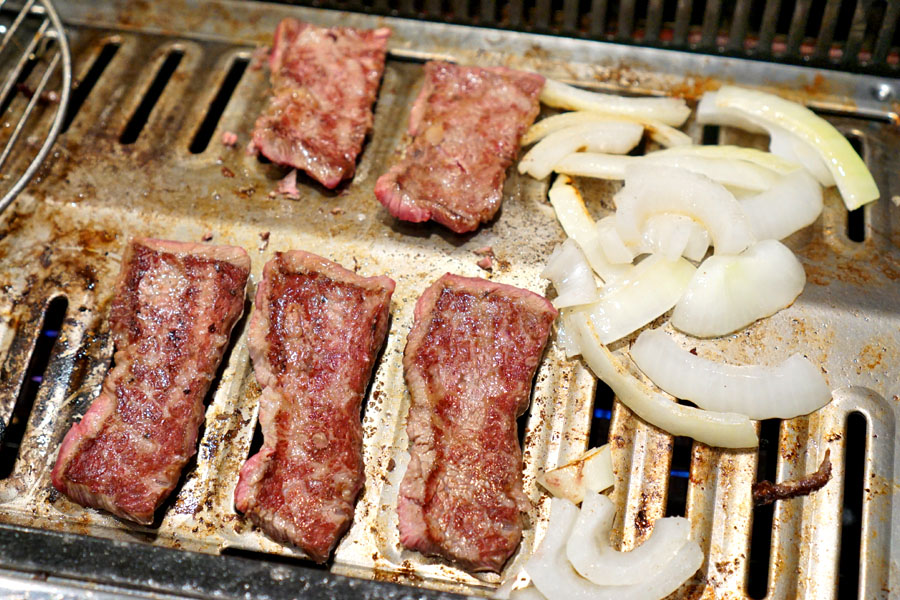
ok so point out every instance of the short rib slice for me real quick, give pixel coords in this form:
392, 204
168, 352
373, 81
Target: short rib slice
466, 125
469, 362
324, 82
314, 337
174, 307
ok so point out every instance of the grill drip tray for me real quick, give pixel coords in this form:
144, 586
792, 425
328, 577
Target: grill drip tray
143, 156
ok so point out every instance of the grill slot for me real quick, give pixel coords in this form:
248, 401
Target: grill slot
82, 88
851, 513
14, 428
219, 103
145, 108
761, 535
679, 477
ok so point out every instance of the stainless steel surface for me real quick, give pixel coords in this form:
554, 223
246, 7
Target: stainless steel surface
51, 28
64, 234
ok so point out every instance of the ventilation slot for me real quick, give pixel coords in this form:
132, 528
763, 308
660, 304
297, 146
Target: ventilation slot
20, 85
851, 517
208, 127
82, 89
679, 477
856, 219
761, 534
11, 436
274, 558
710, 136
140, 116
603, 403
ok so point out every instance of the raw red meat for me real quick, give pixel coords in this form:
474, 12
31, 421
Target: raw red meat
172, 315
314, 337
466, 124
469, 362
324, 82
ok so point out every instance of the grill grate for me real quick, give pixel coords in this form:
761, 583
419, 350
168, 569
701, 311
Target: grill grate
61, 238
836, 34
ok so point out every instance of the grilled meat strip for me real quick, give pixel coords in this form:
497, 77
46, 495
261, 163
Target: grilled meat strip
766, 492
324, 82
469, 362
172, 315
466, 124
314, 337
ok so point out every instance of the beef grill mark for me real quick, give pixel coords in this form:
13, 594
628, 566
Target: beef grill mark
314, 336
324, 82
766, 492
466, 124
172, 315
469, 363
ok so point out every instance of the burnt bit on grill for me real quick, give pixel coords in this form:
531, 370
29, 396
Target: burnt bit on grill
227, 172
766, 492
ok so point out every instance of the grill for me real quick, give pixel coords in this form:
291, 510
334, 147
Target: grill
141, 155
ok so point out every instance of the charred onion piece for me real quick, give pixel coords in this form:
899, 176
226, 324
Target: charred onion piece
766, 492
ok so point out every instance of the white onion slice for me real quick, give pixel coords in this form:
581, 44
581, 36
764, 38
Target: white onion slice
554, 577
659, 132
571, 275
579, 225
788, 206
767, 160
613, 247
853, 178
728, 293
708, 113
566, 340
653, 189
637, 297
793, 388
671, 111
727, 430
786, 145
590, 472
670, 235
613, 137
734, 173
594, 558
527, 593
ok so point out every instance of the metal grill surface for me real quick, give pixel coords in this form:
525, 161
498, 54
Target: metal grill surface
63, 237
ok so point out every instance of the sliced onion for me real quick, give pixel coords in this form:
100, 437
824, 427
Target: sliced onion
579, 225
566, 340
554, 577
672, 235
730, 172
853, 178
671, 111
661, 133
709, 113
527, 593
614, 137
785, 144
571, 275
727, 430
728, 293
613, 247
793, 388
760, 158
637, 297
594, 558
790, 205
590, 472
653, 189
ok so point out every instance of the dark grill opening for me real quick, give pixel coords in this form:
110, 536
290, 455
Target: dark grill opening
710, 136
139, 118
679, 477
19, 86
275, 559
214, 113
856, 219
761, 533
81, 89
851, 516
11, 435
837, 34
602, 415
